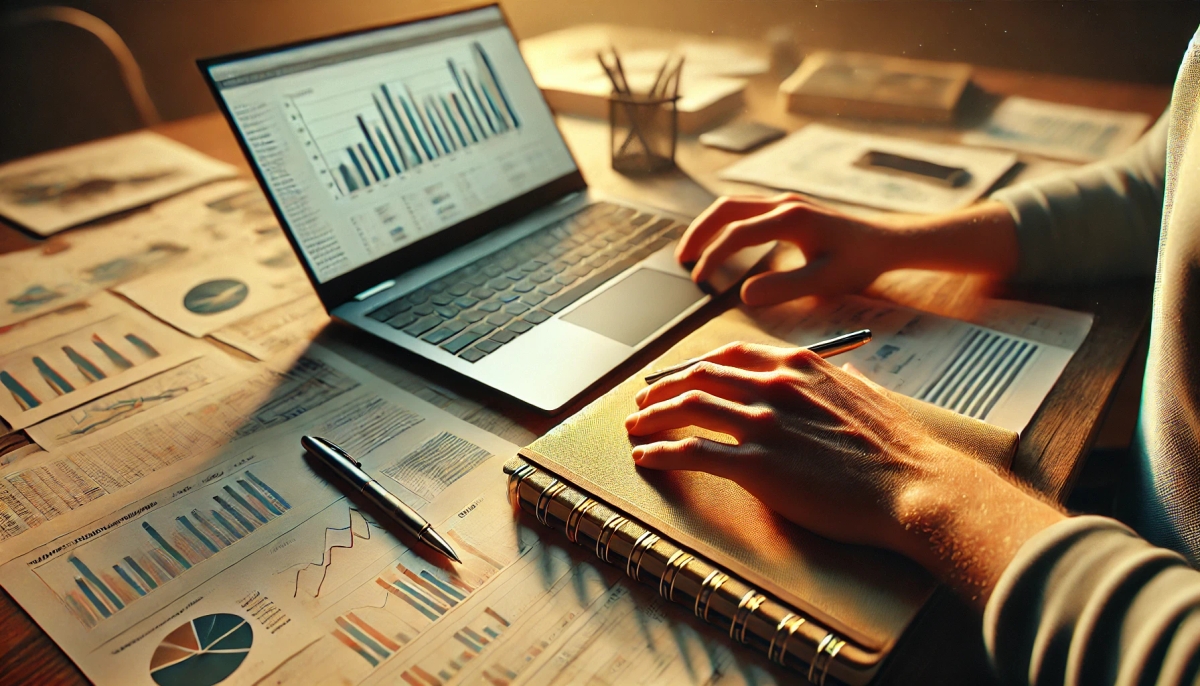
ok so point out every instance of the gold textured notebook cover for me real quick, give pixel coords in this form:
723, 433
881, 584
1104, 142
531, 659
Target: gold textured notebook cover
736, 563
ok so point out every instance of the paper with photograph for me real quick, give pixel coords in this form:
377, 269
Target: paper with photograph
218, 292
221, 218
57, 190
876, 171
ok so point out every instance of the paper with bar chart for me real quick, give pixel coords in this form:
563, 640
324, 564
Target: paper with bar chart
239, 525
101, 349
119, 409
50, 192
373, 142
236, 563
998, 376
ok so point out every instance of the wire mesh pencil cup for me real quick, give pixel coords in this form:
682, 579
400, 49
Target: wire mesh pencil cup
644, 129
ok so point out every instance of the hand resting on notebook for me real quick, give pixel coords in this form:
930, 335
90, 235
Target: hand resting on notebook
830, 451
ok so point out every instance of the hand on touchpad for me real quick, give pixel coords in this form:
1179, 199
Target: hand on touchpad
637, 306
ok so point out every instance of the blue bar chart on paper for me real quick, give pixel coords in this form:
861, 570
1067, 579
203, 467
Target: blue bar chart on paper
102, 578
406, 121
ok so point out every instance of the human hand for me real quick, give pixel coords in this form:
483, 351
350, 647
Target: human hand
844, 254
825, 448
830, 451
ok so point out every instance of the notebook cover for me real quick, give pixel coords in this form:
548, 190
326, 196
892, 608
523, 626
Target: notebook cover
865, 594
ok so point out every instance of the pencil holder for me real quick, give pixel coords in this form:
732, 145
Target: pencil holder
643, 133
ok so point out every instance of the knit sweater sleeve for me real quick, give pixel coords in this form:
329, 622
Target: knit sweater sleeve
1088, 602
1094, 223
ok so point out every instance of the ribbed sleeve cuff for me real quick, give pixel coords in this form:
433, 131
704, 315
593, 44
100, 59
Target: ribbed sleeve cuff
1030, 210
1074, 597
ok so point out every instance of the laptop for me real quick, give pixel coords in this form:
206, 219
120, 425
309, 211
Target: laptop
420, 176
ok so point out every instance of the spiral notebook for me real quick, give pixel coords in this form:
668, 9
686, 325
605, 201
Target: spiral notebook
826, 609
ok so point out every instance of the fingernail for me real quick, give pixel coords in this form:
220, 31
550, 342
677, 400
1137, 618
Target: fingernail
631, 422
638, 453
641, 395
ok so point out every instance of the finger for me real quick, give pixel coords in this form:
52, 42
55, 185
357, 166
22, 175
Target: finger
772, 288
718, 215
750, 357
730, 383
692, 454
779, 223
694, 408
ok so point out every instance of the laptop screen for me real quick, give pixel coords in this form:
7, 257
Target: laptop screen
372, 142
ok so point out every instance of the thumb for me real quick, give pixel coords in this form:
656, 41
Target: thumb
774, 287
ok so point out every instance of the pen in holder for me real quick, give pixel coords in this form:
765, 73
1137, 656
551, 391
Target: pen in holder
644, 128
644, 125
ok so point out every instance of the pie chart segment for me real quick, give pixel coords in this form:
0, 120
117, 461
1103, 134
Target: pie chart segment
203, 652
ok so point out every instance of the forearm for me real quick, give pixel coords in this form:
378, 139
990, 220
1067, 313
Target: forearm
980, 238
965, 523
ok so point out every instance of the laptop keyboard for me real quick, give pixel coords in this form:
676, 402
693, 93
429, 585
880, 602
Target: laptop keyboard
475, 310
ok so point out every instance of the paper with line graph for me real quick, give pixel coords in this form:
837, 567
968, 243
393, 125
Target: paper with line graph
207, 551
209, 515
993, 375
62, 361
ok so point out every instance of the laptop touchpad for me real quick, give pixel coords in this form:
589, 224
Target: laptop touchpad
636, 306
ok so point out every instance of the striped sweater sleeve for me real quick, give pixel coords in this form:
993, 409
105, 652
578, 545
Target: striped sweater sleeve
1093, 223
1088, 602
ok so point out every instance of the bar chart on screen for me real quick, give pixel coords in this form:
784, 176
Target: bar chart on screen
110, 572
417, 113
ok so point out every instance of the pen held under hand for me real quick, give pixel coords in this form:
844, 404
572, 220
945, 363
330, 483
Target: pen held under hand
827, 348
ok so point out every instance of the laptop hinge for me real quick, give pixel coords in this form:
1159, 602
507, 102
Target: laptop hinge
373, 290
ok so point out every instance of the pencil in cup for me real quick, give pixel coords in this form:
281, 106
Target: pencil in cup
828, 348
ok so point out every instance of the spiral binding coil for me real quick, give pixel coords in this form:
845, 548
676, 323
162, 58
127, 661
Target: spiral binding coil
749, 603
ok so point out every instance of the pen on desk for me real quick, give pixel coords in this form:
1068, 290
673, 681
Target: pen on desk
350, 471
829, 348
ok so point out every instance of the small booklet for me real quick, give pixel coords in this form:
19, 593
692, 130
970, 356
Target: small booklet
851, 84
820, 607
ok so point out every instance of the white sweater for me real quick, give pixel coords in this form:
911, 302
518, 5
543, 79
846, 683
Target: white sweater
1087, 601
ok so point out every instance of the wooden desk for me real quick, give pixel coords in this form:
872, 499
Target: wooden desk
944, 645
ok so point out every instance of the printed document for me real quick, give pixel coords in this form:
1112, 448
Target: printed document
51, 192
826, 162
200, 546
999, 375
1067, 132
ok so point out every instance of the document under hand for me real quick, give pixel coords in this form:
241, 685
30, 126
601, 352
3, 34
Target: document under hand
837, 164
999, 373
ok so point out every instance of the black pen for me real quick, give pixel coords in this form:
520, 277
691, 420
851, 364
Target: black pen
833, 346
350, 470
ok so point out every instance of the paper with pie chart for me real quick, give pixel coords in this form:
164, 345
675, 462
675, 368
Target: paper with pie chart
202, 652
214, 294
231, 561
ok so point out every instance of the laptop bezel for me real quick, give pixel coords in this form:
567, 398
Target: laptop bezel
343, 288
